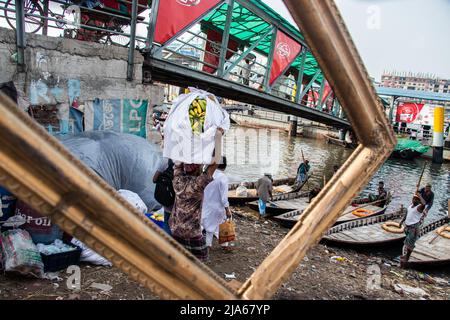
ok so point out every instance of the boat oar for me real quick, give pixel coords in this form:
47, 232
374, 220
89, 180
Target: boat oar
307, 182
273, 204
421, 175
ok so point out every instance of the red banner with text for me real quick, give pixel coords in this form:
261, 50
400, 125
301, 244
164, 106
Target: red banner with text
285, 51
327, 92
175, 15
212, 50
408, 111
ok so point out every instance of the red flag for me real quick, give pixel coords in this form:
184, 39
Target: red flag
286, 50
212, 49
408, 111
326, 91
313, 97
174, 15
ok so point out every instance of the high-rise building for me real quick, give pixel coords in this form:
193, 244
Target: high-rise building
415, 81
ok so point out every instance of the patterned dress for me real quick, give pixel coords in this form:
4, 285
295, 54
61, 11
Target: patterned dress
185, 222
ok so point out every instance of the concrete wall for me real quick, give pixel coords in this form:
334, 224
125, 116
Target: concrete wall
60, 69
64, 72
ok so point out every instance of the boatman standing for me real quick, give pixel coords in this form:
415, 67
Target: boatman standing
302, 171
428, 196
264, 188
413, 219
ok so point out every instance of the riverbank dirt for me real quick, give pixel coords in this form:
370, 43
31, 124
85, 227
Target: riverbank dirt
318, 277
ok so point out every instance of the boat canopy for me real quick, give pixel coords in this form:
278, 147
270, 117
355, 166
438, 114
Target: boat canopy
414, 145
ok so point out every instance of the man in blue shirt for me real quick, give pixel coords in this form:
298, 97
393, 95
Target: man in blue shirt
302, 171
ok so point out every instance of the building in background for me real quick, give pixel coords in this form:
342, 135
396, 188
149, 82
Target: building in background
419, 82
415, 81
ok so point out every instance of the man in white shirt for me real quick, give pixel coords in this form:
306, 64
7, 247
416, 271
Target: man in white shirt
413, 220
215, 207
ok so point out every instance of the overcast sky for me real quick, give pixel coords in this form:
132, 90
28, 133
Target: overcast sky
402, 35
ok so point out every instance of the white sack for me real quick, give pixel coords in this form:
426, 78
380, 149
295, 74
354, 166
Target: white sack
180, 143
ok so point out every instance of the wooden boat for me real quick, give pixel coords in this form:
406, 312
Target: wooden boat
405, 154
366, 232
335, 140
284, 185
431, 248
290, 218
408, 149
284, 203
349, 213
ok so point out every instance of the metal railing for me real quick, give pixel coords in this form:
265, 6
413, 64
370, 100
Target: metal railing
126, 25
130, 25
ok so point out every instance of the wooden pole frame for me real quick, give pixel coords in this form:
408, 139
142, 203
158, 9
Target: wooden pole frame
337, 56
41, 172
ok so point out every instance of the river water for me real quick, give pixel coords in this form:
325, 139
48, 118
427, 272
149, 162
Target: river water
252, 152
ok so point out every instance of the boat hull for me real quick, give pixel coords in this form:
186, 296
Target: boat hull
431, 249
289, 219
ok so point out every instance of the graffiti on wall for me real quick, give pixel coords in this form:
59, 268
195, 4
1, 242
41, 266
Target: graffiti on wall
119, 115
55, 104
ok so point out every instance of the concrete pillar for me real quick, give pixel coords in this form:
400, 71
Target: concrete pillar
391, 109
293, 126
342, 134
438, 135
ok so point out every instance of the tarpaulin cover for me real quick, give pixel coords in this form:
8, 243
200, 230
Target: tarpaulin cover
124, 161
410, 144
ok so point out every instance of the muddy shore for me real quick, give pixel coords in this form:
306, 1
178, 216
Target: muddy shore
318, 277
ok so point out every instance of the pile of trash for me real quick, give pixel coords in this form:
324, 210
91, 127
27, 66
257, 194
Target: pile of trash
31, 245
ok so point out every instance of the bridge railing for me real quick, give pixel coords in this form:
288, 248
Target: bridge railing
205, 45
208, 45
116, 22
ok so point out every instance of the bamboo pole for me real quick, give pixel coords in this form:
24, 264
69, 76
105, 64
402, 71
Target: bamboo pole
307, 182
420, 178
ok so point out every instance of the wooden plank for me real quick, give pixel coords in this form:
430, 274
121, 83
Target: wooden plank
41, 172
437, 250
366, 234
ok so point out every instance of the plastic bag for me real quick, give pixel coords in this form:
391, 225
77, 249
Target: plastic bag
180, 143
20, 253
40, 228
133, 199
227, 231
124, 161
90, 256
241, 191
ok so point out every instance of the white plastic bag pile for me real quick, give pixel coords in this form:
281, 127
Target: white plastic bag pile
180, 143
90, 256
134, 199
20, 253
